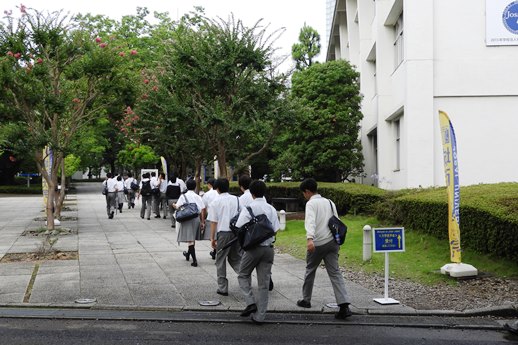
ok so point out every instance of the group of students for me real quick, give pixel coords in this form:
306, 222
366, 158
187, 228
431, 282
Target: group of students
216, 209
118, 190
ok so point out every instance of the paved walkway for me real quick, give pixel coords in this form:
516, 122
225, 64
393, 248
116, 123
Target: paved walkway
129, 262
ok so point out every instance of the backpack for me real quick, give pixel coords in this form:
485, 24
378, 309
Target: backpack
134, 185
146, 188
173, 192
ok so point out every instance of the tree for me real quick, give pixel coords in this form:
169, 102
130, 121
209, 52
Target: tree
307, 48
220, 80
53, 74
323, 141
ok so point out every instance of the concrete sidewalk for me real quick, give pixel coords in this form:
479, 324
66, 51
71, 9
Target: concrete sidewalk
133, 263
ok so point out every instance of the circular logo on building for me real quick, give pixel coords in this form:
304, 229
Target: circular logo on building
510, 17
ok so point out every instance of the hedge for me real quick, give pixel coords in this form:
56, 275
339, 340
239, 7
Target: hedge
33, 189
488, 216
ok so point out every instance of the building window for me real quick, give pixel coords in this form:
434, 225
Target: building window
397, 136
399, 46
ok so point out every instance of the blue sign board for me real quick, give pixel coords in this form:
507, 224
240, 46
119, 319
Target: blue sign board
388, 239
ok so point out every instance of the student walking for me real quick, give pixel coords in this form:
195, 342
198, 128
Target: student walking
222, 209
111, 196
145, 192
189, 231
175, 188
131, 192
246, 198
321, 246
259, 258
208, 198
120, 193
162, 199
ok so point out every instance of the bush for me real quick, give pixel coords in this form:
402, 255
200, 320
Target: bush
488, 216
33, 189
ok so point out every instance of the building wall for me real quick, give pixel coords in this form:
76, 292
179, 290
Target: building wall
446, 66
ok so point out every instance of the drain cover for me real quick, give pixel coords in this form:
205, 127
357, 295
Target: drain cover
209, 303
86, 300
332, 305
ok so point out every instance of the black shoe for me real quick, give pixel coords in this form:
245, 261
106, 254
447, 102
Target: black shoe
222, 293
148, 218
142, 217
157, 216
250, 309
186, 254
111, 215
255, 322
303, 304
194, 264
165, 217
270, 288
213, 254
344, 311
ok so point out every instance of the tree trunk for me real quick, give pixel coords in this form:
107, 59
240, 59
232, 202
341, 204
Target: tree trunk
197, 175
222, 160
61, 196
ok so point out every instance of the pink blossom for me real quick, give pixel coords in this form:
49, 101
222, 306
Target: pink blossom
40, 60
155, 88
76, 100
18, 55
10, 53
98, 39
146, 81
103, 45
133, 52
23, 9
122, 54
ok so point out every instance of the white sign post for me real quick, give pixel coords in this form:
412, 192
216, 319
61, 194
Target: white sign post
386, 240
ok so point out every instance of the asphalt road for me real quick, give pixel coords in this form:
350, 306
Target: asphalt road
15, 331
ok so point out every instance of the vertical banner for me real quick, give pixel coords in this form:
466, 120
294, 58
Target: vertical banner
451, 172
47, 155
164, 167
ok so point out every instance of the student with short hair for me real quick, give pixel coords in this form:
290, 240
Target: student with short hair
321, 246
145, 192
222, 210
244, 183
111, 196
208, 198
131, 192
259, 258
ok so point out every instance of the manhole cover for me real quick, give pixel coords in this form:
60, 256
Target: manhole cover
332, 305
209, 303
86, 300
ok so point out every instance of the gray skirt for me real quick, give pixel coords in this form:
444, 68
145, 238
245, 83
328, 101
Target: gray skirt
205, 235
188, 231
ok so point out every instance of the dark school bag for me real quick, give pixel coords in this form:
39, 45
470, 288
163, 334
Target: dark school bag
337, 227
173, 192
256, 231
146, 188
134, 185
233, 220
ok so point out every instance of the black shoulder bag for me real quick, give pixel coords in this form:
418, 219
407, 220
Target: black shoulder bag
187, 211
337, 227
256, 231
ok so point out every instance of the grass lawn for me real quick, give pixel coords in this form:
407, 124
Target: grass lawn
421, 261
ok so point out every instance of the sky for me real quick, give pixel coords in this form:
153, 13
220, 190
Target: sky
290, 14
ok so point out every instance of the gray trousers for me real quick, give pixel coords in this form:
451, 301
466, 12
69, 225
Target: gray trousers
111, 201
162, 201
131, 197
232, 254
329, 253
260, 258
146, 207
156, 204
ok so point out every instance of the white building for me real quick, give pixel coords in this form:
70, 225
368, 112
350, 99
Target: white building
416, 57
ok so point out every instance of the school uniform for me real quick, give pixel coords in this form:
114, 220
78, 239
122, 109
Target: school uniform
318, 212
208, 198
245, 199
120, 194
162, 201
131, 192
259, 258
171, 202
145, 210
189, 231
222, 209
111, 197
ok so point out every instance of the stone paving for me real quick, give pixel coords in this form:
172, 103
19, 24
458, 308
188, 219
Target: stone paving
129, 262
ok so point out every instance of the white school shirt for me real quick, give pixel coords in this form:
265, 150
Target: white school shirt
260, 206
192, 197
179, 182
120, 186
154, 182
142, 181
111, 183
245, 199
209, 197
163, 186
318, 212
222, 209
128, 182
